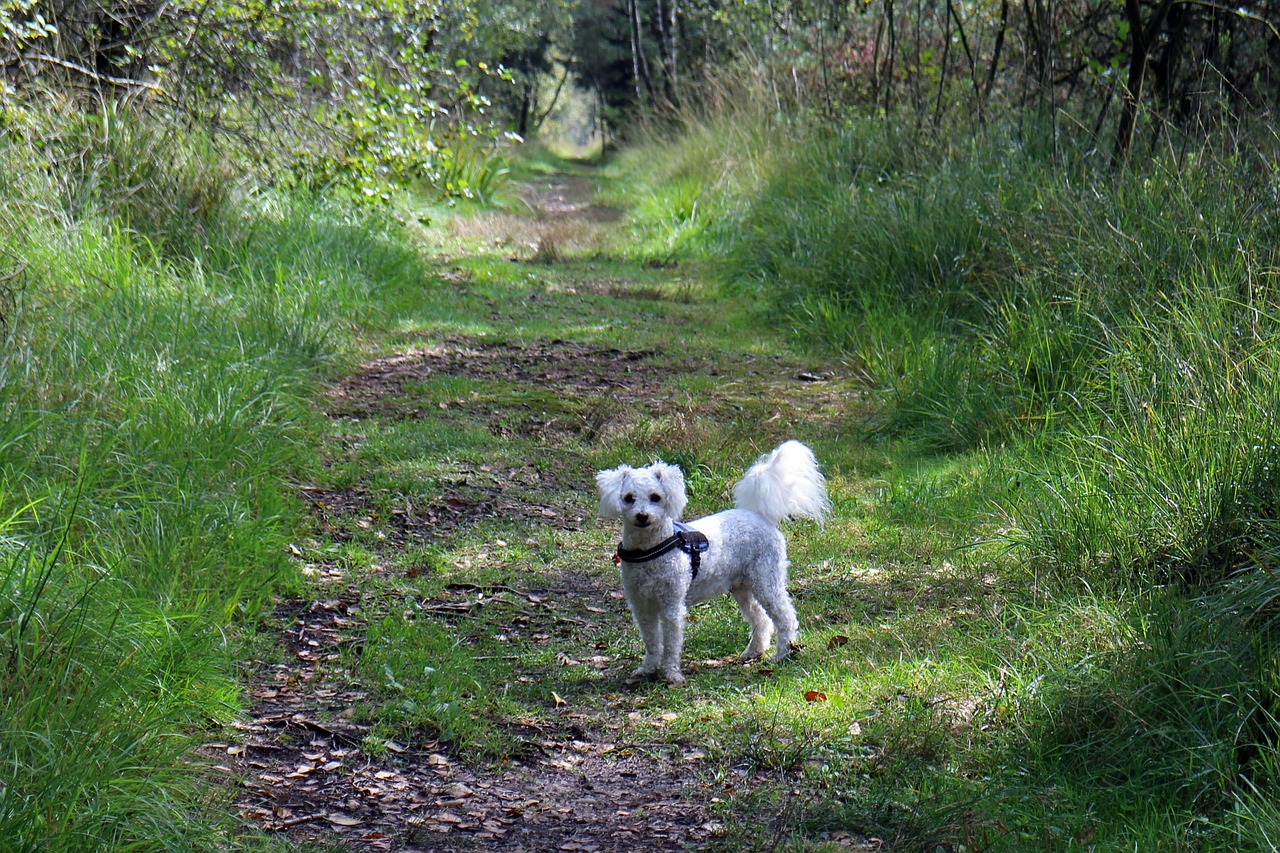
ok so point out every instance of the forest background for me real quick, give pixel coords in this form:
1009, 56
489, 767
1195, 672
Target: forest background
1044, 234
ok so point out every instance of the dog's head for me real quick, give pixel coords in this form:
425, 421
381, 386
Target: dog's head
642, 497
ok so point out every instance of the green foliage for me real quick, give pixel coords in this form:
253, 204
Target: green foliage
99, 690
366, 97
473, 168
1101, 344
982, 291
158, 360
1180, 479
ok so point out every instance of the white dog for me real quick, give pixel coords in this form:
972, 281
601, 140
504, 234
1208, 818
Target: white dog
667, 565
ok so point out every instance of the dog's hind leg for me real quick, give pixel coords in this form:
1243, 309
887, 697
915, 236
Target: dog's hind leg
777, 604
761, 624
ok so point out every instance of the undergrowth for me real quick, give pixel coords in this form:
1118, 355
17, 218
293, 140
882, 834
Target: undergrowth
164, 330
1044, 614
1105, 340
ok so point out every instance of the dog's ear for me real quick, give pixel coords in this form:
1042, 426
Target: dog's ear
610, 485
672, 479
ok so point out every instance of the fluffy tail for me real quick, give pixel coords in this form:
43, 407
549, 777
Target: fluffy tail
784, 484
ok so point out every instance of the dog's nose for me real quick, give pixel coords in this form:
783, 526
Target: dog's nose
642, 519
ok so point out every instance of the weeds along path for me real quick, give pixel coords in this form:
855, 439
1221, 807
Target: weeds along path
453, 667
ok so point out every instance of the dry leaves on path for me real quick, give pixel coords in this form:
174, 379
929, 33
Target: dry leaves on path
305, 771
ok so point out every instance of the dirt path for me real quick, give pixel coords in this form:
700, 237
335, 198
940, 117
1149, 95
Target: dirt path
310, 774
588, 777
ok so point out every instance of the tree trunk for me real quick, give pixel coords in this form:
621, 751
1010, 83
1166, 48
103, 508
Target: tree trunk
996, 49
635, 49
639, 62
673, 53
1138, 62
891, 50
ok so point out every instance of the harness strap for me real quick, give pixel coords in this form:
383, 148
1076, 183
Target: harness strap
691, 541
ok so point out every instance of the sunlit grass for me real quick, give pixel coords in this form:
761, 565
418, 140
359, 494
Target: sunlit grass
1042, 615
1091, 576
156, 380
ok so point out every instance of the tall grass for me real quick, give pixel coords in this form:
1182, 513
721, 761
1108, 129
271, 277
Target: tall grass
1176, 476
976, 280
1116, 333
167, 328
686, 198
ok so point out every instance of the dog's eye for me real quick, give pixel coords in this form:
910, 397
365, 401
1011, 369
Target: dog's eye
656, 498
628, 499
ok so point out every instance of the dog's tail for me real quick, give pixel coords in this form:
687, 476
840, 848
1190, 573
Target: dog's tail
784, 484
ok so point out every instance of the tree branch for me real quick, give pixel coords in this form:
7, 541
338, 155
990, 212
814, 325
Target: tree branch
125, 82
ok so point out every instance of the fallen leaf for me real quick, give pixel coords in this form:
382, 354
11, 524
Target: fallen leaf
340, 819
815, 696
556, 698
837, 641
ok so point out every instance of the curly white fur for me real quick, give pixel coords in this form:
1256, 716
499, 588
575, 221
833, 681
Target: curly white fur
747, 556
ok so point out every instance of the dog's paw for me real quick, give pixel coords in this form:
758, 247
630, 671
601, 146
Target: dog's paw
675, 679
641, 673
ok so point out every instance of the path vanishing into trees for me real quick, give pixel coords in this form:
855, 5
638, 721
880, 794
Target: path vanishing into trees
558, 347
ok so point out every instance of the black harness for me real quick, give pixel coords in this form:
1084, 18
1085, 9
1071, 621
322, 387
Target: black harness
685, 538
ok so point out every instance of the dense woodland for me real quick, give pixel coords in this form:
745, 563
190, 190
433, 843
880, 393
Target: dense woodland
1041, 237
394, 80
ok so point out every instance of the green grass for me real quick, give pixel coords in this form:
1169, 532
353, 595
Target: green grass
1042, 616
1075, 368
156, 380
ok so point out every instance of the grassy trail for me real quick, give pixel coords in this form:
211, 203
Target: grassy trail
456, 663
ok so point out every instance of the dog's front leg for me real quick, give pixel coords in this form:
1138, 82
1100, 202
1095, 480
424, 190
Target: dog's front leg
647, 621
644, 610
672, 618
